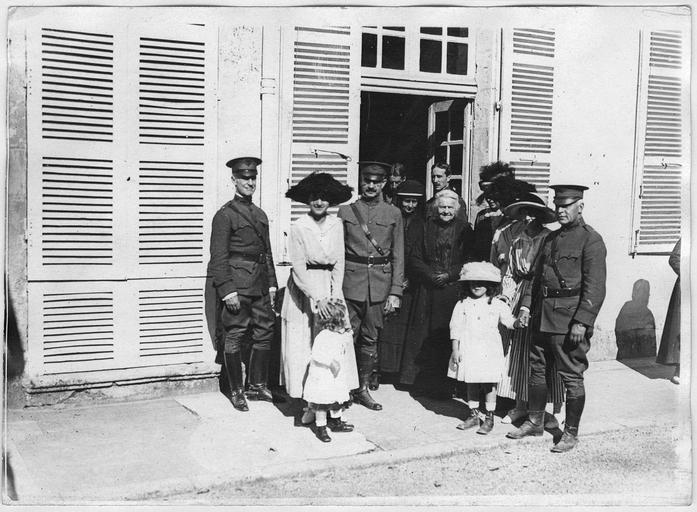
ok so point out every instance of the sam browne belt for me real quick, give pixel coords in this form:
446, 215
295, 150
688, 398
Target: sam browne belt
561, 292
368, 260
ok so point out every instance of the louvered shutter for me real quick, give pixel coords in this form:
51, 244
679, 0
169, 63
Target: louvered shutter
324, 103
662, 151
527, 91
121, 131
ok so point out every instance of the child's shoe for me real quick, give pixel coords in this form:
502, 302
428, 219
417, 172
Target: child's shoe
471, 422
339, 425
322, 435
487, 424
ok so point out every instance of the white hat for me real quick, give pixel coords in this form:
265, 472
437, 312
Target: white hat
480, 271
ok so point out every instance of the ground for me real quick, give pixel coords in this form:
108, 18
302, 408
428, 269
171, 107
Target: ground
610, 464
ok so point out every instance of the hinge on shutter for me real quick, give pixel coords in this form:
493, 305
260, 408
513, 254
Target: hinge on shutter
635, 244
267, 86
497, 106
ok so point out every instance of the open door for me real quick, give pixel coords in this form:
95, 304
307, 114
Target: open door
449, 124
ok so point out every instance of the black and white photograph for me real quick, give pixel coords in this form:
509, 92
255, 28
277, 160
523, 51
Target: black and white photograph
295, 255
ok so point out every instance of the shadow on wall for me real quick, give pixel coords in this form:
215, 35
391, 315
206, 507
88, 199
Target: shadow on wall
14, 366
635, 327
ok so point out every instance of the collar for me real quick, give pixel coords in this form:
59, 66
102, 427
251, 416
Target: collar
578, 224
371, 202
242, 199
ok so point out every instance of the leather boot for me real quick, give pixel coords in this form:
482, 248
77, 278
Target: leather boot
258, 376
568, 441
471, 421
533, 426
322, 435
374, 381
487, 424
233, 370
366, 363
339, 425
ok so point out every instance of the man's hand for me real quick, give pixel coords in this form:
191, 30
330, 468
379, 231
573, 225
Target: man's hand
233, 304
391, 304
523, 318
577, 333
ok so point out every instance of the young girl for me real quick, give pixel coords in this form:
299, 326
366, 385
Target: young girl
332, 372
477, 357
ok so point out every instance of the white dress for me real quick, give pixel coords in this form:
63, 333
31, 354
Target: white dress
321, 386
475, 326
309, 243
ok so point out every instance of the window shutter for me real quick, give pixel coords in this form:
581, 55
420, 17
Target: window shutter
527, 92
324, 105
121, 137
661, 149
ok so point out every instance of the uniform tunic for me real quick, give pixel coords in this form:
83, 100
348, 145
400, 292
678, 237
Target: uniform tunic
321, 386
475, 327
241, 261
309, 243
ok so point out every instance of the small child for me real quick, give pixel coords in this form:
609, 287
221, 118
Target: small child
477, 357
332, 372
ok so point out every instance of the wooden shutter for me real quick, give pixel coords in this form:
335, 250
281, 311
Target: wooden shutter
324, 105
527, 92
121, 138
662, 154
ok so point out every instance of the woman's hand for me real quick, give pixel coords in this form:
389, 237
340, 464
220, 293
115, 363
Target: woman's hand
523, 318
322, 308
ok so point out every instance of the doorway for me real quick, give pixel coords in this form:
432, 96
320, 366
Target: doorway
417, 131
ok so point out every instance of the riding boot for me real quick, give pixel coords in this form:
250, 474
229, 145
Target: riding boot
233, 370
569, 439
374, 380
361, 395
258, 376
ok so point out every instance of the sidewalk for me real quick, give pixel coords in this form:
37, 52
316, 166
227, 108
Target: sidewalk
148, 449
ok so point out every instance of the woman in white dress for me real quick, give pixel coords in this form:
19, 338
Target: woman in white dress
316, 252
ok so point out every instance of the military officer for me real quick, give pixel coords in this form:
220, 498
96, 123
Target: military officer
569, 284
243, 274
374, 271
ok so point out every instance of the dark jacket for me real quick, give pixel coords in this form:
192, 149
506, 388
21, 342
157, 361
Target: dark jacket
232, 235
579, 253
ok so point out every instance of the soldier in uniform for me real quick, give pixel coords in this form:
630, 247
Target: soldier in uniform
569, 286
243, 274
374, 271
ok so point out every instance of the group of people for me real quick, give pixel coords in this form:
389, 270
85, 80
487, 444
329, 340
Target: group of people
396, 287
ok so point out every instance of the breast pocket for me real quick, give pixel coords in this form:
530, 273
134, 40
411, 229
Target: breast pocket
383, 232
569, 265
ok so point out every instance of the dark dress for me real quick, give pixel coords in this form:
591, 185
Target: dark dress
394, 331
435, 248
669, 350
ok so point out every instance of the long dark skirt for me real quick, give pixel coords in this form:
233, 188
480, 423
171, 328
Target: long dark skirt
393, 336
669, 350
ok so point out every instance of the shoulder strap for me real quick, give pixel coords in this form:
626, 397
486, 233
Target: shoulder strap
233, 206
365, 229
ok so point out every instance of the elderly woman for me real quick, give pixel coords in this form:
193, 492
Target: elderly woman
440, 247
529, 213
316, 251
409, 199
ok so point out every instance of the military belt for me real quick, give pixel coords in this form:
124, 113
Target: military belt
560, 292
368, 260
246, 256
320, 266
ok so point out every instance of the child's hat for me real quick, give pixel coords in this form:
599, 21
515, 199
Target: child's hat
480, 271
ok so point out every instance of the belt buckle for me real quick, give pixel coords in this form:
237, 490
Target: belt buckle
370, 261
262, 258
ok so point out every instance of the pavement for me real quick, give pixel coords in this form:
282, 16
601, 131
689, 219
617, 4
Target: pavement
144, 451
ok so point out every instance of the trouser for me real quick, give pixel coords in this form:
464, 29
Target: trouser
255, 311
366, 321
571, 362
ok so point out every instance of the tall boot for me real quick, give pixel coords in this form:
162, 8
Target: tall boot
361, 396
233, 370
569, 439
259, 375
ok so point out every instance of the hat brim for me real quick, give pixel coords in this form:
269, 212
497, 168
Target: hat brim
565, 201
546, 215
320, 185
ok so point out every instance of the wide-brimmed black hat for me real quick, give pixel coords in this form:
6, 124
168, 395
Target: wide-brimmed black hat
322, 185
411, 188
532, 201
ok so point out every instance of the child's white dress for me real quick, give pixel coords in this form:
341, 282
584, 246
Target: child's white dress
475, 326
321, 387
